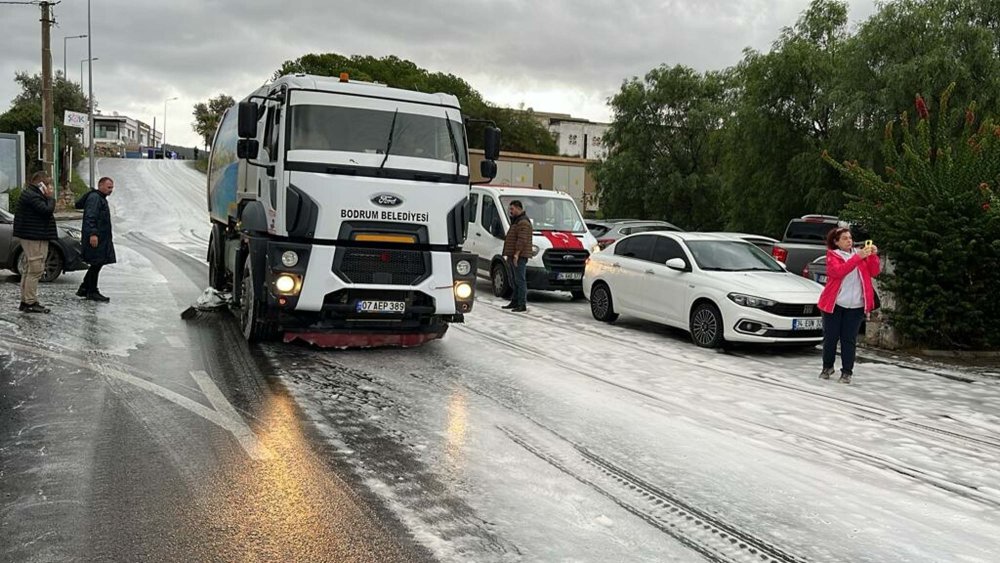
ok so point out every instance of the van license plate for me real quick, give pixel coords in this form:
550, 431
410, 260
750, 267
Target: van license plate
381, 306
569, 276
807, 324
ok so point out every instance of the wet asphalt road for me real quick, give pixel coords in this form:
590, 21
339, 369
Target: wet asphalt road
127, 434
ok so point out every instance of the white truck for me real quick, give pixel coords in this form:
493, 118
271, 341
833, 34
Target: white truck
338, 212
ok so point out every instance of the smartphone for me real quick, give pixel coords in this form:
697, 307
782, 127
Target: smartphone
868, 243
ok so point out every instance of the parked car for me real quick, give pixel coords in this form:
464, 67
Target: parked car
561, 242
805, 240
64, 253
716, 287
816, 270
607, 232
760, 241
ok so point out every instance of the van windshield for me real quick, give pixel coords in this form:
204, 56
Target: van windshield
346, 129
549, 213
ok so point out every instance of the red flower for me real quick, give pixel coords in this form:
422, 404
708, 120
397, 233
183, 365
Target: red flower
922, 108
986, 206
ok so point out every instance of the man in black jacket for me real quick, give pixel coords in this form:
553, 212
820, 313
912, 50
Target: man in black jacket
35, 226
98, 246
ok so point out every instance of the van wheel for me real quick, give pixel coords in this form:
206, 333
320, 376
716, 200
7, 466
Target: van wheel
501, 281
578, 295
706, 326
252, 323
601, 304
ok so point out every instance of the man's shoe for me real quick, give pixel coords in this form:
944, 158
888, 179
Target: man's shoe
826, 373
519, 309
96, 296
23, 306
509, 306
82, 292
36, 308
844, 378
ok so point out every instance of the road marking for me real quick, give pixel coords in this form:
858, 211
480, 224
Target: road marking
228, 419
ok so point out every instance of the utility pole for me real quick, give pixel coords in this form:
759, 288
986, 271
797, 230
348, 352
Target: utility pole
48, 117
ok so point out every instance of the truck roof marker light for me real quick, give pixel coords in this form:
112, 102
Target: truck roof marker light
344, 77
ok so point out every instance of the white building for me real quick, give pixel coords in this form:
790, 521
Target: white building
115, 134
579, 138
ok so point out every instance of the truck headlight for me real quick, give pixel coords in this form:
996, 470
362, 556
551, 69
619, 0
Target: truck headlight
463, 267
285, 283
289, 258
463, 290
751, 301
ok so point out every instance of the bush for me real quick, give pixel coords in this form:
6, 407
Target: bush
936, 215
13, 197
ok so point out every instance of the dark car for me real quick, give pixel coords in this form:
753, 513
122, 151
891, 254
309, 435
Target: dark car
609, 230
816, 270
64, 253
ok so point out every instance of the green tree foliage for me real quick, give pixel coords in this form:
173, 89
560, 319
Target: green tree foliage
208, 114
664, 156
936, 213
25, 114
521, 131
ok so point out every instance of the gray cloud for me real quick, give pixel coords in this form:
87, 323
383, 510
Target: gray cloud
558, 55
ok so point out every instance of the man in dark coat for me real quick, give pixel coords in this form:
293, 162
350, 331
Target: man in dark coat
517, 248
35, 226
98, 245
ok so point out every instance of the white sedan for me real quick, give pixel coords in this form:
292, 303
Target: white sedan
715, 286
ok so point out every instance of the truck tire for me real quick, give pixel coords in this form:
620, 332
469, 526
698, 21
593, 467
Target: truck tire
252, 304
216, 266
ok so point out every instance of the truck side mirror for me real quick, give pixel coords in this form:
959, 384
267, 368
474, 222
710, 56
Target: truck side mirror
247, 123
488, 169
491, 143
247, 148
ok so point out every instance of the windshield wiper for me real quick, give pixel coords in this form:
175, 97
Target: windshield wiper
454, 144
388, 145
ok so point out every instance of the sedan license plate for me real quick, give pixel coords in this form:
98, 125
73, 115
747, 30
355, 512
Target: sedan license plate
820, 278
381, 306
807, 324
569, 276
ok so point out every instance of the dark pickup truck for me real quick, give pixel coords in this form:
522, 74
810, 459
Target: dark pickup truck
805, 240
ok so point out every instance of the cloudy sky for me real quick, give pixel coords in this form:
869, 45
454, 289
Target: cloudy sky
553, 55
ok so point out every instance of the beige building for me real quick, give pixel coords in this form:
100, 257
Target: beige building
559, 173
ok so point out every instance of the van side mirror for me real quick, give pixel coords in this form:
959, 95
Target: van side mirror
488, 169
247, 123
247, 148
491, 143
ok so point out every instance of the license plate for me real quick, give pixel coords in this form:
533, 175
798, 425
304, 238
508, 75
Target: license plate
381, 306
807, 324
569, 276
820, 278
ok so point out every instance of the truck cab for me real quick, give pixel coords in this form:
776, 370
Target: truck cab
561, 241
338, 207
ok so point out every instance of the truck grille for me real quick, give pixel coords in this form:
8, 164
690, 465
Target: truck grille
794, 310
381, 266
565, 260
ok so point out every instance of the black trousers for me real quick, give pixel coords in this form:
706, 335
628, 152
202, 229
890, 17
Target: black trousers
842, 325
90, 280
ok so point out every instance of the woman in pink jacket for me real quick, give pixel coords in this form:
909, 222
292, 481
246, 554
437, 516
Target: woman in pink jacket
846, 300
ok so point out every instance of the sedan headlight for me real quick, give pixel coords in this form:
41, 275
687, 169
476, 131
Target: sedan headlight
463, 267
751, 301
289, 258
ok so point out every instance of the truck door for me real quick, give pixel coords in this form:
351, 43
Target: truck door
271, 180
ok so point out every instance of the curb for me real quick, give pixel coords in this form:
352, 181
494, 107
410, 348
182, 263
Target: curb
961, 353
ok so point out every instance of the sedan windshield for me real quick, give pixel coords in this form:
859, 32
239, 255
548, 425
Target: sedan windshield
549, 213
731, 256
333, 128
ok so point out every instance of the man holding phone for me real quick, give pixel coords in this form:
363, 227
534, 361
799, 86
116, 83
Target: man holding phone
34, 227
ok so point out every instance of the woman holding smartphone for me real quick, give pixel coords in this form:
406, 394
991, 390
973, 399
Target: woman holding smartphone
847, 299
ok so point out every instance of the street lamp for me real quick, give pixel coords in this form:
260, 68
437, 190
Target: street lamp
81, 69
66, 78
163, 139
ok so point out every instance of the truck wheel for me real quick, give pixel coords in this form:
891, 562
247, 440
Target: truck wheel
501, 281
216, 269
706, 326
255, 328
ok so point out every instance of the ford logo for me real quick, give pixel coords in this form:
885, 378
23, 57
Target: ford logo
387, 200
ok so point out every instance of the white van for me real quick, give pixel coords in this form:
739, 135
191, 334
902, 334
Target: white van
561, 240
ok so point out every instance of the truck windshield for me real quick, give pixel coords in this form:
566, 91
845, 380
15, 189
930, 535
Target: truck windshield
549, 213
345, 129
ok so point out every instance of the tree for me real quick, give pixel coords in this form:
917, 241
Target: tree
25, 114
521, 131
208, 114
664, 157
